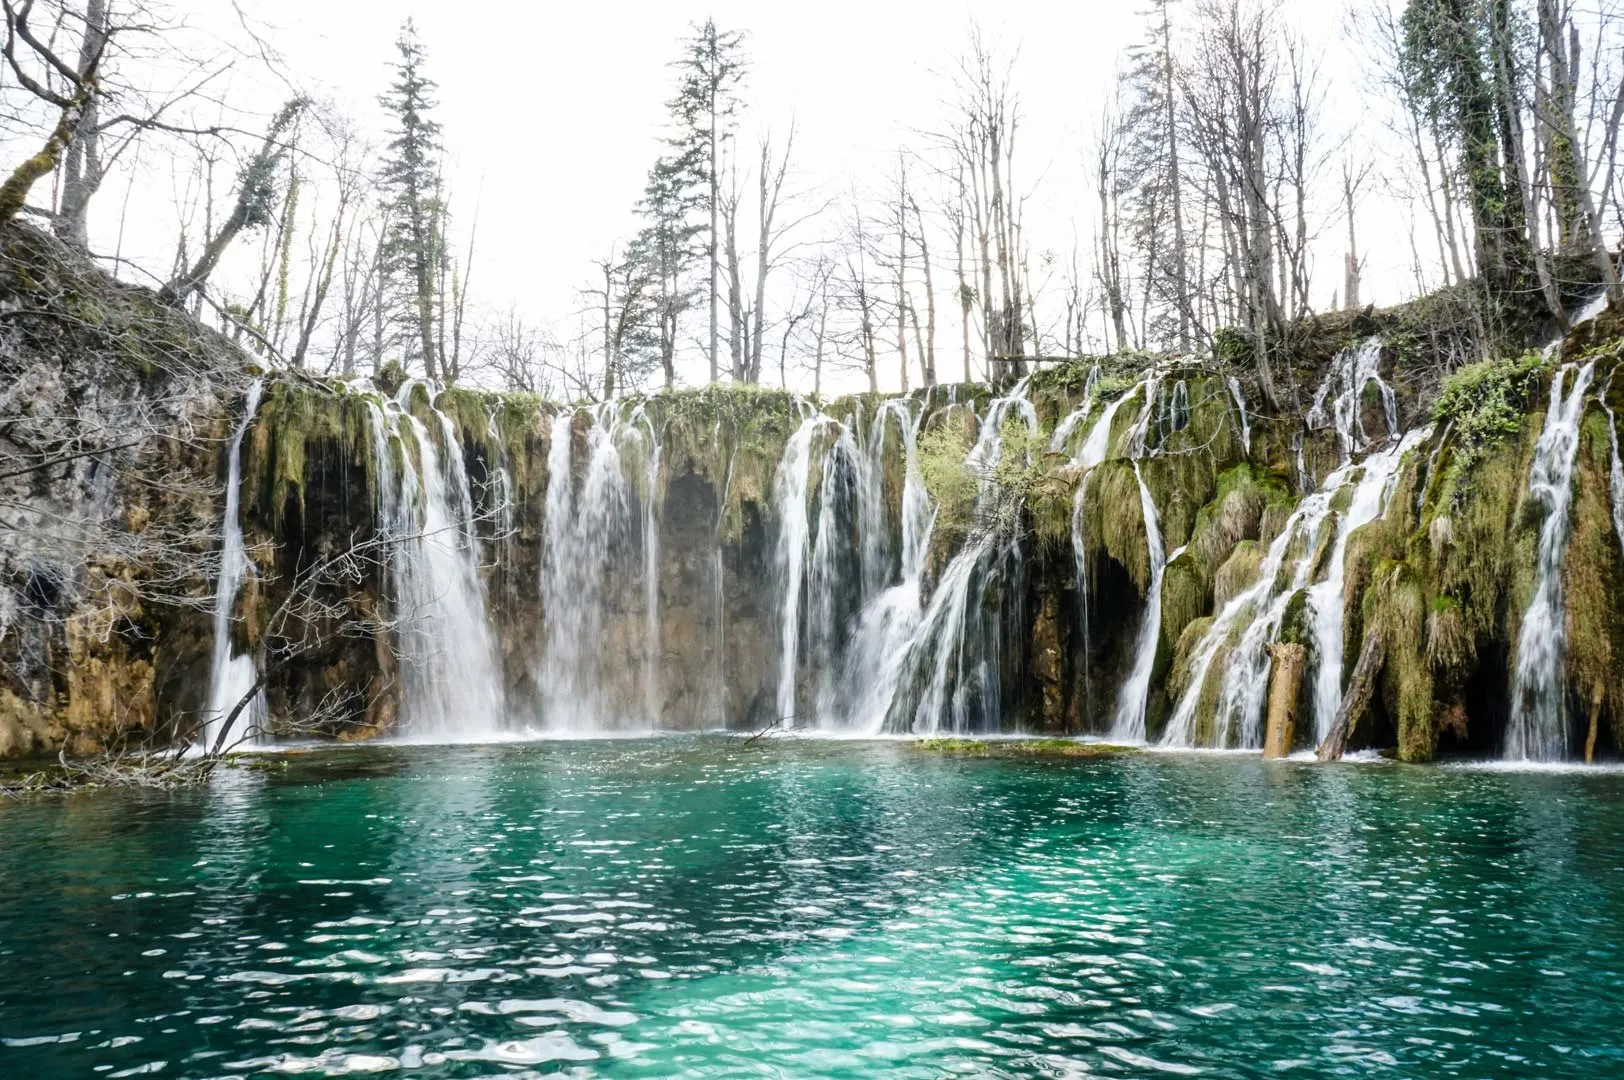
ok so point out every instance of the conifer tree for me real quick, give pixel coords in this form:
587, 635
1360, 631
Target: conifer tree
666, 248
414, 246
711, 68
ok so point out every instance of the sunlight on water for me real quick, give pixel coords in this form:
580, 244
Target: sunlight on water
718, 907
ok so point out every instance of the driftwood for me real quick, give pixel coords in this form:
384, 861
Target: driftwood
1285, 680
1357, 700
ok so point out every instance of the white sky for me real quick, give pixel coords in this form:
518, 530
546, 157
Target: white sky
552, 112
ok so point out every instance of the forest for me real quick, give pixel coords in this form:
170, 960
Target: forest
1224, 204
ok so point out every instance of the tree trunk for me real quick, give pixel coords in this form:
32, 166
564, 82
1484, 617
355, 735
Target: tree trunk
1285, 680
82, 171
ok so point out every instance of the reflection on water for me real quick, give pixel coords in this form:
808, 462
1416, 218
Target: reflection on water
707, 907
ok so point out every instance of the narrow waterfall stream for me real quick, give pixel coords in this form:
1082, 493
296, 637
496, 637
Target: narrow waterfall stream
1615, 470
1338, 403
791, 486
231, 678
1538, 729
1129, 725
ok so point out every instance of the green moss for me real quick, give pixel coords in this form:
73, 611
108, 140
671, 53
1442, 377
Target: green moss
1189, 639
1112, 524
950, 745
1593, 577
1064, 748
1395, 607
1186, 596
1483, 405
947, 478
1238, 573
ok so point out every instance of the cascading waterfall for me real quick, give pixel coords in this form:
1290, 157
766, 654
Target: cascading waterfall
449, 676
1251, 620
719, 584
951, 678
1338, 402
1063, 433
1538, 730
653, 702
1325, 597
1092, 451
890, 620
835, 561
232, 678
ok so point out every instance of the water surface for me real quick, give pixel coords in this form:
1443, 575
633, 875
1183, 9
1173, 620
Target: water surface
709, 907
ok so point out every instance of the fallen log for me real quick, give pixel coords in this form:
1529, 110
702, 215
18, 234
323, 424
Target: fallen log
1361, 689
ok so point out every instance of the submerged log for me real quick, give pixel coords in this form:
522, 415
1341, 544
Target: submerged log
1285, 680
1354, 703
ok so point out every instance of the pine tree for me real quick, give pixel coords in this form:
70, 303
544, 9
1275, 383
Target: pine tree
414, 246
666, 248
711, 69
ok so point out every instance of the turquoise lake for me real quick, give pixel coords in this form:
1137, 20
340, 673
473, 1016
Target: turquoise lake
709, 907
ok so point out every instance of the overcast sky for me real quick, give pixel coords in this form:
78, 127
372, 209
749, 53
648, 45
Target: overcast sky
552, 112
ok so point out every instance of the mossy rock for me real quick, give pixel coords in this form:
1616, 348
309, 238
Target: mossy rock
1189, 640
1186, 596
950, 745
1070, 748
1238, 573
1395, 607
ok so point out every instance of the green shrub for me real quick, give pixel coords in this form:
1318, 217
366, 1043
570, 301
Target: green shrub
1484, 404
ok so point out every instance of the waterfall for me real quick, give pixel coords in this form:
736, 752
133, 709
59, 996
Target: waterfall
1538, 730
1096, 444
1130, 714
1251, 620
231, 678
1325, 598
719, 583
595, 536
653, 702
790, 492
951, 678
1063, 433
450, 682
1615, 474
1338, 401
1240, 403
835, 561
888, 621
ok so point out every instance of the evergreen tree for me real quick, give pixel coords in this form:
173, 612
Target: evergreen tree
711, 69
667, 248
414, 246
